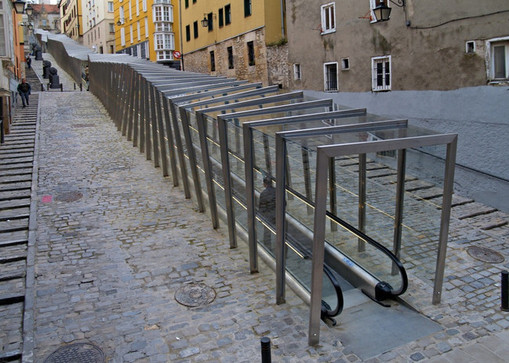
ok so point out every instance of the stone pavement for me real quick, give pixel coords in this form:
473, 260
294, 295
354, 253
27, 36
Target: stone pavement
116, 241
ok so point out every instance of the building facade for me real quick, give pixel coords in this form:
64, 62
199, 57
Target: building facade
433, 45
148, 29
244, 39
46, 17
99, 25
71, 19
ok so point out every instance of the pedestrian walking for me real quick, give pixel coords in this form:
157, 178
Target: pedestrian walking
24, 90
29, 62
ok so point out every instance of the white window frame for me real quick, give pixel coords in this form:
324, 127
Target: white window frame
467, 46
326, 86
162, 13
111, 7
374, 73
328, 15
490, 59
146, 27
297, 72
122, 37
137, 7
121, 14
139, 29
144, 5
130, 10
131, 33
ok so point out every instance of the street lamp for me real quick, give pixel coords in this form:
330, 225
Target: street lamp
29, 10
205, 22
383, 12
19, 6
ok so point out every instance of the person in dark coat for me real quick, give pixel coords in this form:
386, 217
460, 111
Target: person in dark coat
24, 90
29, 62
267, 208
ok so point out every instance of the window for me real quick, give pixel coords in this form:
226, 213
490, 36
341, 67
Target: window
195, 29
138, 30
110, 7
230, 57
3, 40
227, 15
345, 64
112, 27
500, 60
186, 3
296, 72
163, 13
328, 18
247, 8
122, 36
330, 76
131, 32
221, 17
212, 62
130, 10
210, 22
146, 27
381, 73
250, 53
144, 5
470, 47
137, 7
164, 41
164, 55
121, 11
112, 49
188, 33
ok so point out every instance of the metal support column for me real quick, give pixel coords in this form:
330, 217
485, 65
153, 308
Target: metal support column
450, 163
281, 160
398, 213
180, 149
171, 141
250, 198
361, 245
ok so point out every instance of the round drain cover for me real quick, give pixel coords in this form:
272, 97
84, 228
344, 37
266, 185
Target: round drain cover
77, 353
195, 294
69, 196
485, 254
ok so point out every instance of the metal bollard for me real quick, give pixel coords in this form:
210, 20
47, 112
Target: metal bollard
81, 87
75, 86
505, 291
265, 343
42, 87
61, 87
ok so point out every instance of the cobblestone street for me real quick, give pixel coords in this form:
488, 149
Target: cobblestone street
116, 241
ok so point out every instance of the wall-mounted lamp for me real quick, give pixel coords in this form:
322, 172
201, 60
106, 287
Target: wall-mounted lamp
19, 6
383, 12
119, 23
29, 10
205, 21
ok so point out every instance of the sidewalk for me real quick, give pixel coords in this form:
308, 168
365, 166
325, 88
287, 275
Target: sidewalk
116, 242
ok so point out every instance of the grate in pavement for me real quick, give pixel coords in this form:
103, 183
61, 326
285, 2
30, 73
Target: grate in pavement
195, 294
83, 125
76, 353
485, 254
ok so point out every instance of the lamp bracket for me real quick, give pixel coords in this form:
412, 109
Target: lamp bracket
399, 3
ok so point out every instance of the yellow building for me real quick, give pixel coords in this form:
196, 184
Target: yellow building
244, 39
71, 21
148, 29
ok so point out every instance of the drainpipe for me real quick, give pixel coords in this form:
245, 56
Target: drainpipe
282, 19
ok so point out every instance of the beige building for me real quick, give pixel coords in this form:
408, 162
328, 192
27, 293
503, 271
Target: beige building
46, 17
98, 25
425, 45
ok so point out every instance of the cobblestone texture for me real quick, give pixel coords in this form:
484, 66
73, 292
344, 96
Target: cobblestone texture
109, 263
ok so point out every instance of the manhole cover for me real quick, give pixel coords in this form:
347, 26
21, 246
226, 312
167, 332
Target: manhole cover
76, 353
485, 254
195, 294
69, 196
